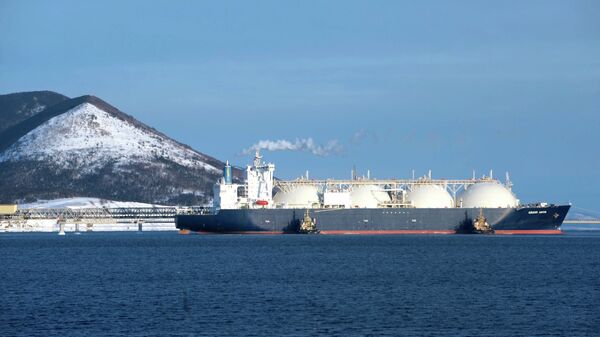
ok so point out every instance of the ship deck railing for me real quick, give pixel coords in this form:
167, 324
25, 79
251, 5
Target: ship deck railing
382, 182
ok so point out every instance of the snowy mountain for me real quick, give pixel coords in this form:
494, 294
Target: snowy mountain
86, 147
87, 137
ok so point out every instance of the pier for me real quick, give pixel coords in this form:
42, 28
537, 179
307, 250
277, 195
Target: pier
86, 218
147, 214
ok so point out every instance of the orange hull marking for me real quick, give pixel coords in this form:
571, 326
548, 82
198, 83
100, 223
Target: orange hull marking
242, 232
387, 232
391, 232
530, 231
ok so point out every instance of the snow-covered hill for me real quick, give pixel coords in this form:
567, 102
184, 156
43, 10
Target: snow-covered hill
86, 147
87, 137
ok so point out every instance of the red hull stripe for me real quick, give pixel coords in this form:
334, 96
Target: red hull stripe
530, 231
401, 231
341, 232
242, 232
391, 231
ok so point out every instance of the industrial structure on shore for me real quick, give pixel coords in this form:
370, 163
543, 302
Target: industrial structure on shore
14, 219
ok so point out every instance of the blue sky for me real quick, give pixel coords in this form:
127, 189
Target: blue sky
450, 86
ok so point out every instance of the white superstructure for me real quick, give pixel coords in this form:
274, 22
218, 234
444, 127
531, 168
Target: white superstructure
259, 182
333, 198
257, 192
226, 196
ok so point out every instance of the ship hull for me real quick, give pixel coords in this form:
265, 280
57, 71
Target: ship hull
370, 221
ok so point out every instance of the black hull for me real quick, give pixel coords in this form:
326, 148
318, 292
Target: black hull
525, 220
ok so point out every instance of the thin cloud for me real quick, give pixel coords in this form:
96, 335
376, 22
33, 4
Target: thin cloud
332, 147
363, 135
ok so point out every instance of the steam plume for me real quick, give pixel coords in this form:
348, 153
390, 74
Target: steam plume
300, 144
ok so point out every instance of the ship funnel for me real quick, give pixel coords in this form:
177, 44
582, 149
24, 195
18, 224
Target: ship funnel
227, 174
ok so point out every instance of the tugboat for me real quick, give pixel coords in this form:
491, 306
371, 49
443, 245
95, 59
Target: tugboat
481, 226
308, 226
476, 226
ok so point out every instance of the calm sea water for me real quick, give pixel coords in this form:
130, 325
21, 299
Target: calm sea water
160, 284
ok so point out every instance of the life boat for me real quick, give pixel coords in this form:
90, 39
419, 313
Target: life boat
262, 202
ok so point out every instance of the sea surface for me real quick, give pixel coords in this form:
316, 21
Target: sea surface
165, 284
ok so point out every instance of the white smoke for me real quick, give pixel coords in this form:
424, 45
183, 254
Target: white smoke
300, 144
360, 136
363, 135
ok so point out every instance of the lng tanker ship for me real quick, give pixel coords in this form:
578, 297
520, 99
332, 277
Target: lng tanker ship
263, 205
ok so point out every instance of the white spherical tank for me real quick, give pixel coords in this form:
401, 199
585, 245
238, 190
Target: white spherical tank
368, 196
430, 196
487, 195
297, 196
